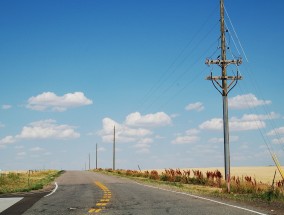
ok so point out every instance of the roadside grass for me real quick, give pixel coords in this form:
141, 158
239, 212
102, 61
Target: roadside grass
26, 181
208, 184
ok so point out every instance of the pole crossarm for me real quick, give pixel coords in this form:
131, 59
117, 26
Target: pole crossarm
224, 62
224, 78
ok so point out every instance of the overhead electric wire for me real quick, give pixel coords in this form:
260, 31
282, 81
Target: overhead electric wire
268, 114
271, 120
169, 72
185, 72
190, 81
236, 34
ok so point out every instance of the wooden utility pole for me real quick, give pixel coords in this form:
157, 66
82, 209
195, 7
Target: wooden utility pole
113, 157
89, 161
225, 89
96, 156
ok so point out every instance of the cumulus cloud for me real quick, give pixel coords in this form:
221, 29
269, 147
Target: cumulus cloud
101, 149
255, 117
190, 136
123, 132
6, 107
185, 139
45, 129
212, 124
21, 153
246, 125
278, 140
7, 140
221, 140
36, 149
246, 101
276, 131
156, 119
50, 101
246, 122
134, 129
198, 106
193, 131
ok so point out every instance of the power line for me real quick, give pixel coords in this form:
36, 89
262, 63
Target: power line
271, 120
174, 65
156, 99
236, 34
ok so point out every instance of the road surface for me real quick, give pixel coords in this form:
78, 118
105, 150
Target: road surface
82, 192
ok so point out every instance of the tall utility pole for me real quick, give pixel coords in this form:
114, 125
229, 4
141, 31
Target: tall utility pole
225, 89
113, 157
96, 156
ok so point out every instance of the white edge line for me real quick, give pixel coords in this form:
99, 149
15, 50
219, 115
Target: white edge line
206, 199
53, 191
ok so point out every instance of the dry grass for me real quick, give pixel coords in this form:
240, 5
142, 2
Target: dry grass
24, 181
261, 174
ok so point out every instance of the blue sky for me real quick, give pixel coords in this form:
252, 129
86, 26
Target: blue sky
71, 70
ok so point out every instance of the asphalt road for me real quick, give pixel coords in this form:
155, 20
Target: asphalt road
81, 192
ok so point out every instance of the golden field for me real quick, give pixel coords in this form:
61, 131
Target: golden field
262, 174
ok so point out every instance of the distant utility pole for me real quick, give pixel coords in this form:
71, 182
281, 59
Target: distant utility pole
96, 156
225, 89
89, 161
113, 157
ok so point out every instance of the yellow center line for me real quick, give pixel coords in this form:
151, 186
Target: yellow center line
104, 200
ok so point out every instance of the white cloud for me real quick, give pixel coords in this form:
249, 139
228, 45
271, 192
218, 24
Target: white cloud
6, 107
2, 125
278, 140
133, 130
19, 147
193, 131
246, 101
174, 115
216, 140
47, 129
142, 145
157, 119
101, 149
21, 153
146, 140
185, 139
212, 124
7, 140
221, 140
143, 151
246, 122
50, 101
198, 106
255, 117
246, 125
276, 131
36, 149
123, 132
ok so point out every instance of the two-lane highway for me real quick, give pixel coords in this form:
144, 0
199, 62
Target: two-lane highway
82, 192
